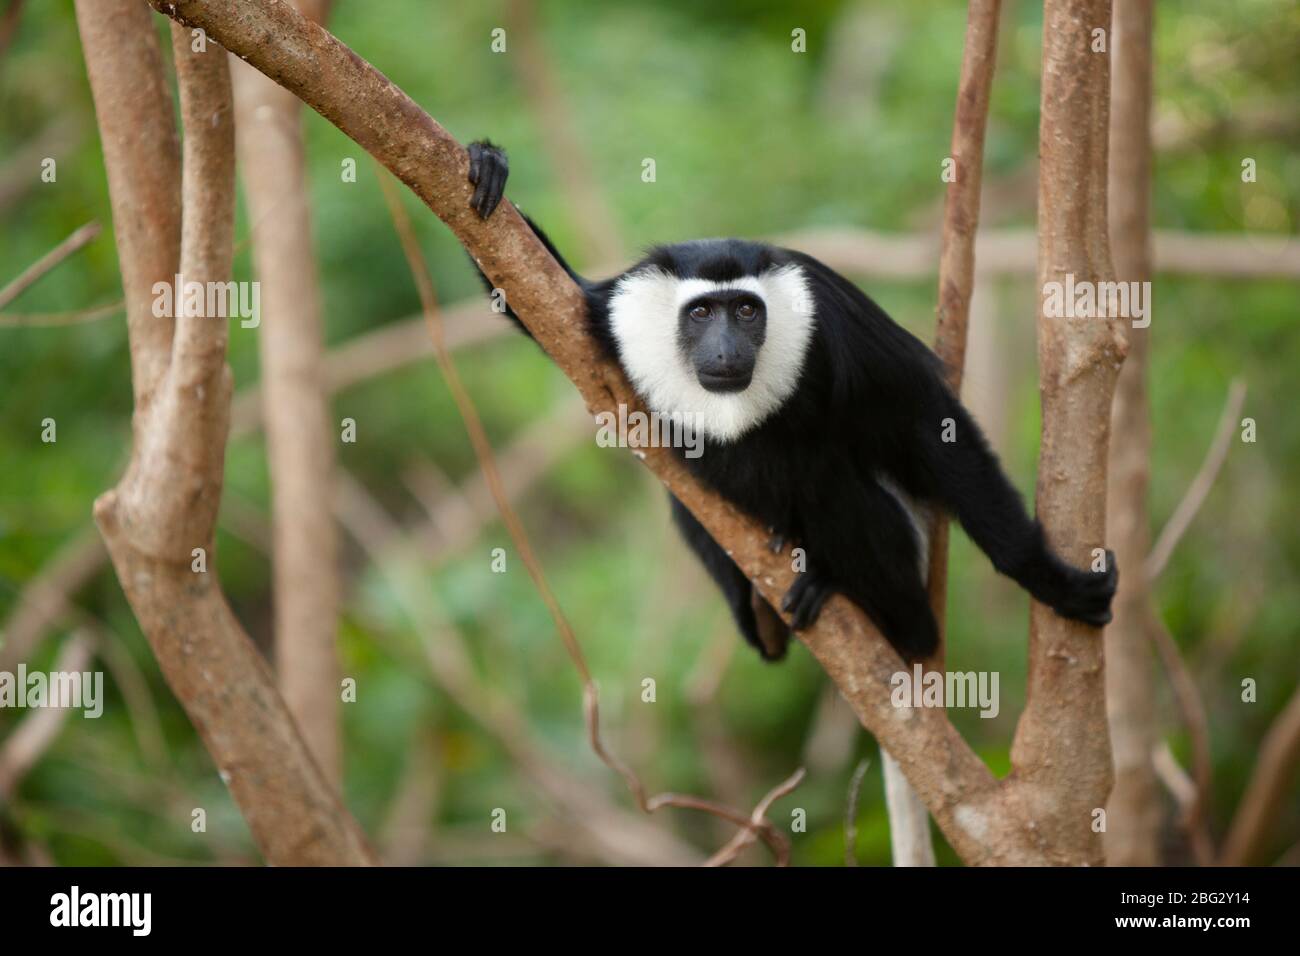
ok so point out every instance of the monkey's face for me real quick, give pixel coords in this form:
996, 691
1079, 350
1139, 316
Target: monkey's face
723, 352
720, 334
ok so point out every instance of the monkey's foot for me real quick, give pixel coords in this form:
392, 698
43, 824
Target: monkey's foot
804, 601
488, 170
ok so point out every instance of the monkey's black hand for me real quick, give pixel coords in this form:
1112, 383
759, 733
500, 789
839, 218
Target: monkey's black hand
803, 602
488, 169
1088, 594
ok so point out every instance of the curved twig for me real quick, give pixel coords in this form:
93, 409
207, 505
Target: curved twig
1269, 782
1192, 708
28, 277
1199, 489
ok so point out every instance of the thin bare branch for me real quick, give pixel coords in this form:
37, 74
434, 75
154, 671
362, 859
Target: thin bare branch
1199, 489
909, 824
851, 813
1192, 708
759, 826
408, 824
961, 211
706, 675
27, 742
46, 263
137, 696
52, 319
858, 252
1270, 781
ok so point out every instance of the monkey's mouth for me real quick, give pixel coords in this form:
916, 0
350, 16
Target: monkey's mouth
737, 382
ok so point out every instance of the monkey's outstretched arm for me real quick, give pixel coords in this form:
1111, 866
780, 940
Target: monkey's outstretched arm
967, 478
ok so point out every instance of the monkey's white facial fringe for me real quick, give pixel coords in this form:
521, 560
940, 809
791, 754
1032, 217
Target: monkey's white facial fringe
643, 312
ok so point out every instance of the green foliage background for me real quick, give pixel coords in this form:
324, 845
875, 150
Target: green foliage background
749, 139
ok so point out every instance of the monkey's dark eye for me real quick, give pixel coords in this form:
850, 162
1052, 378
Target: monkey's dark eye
700, 312
746, 311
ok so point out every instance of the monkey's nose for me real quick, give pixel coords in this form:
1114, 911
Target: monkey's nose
729, 363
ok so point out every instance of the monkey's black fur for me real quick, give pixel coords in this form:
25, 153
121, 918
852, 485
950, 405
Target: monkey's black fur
871, 403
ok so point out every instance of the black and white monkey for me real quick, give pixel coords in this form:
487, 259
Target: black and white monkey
822, 418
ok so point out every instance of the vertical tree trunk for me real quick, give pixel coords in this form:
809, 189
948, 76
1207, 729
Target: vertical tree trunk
1061, 761
1133, 814
299, 439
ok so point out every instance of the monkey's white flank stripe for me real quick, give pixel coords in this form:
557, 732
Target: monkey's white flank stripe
644, 310
918, 516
